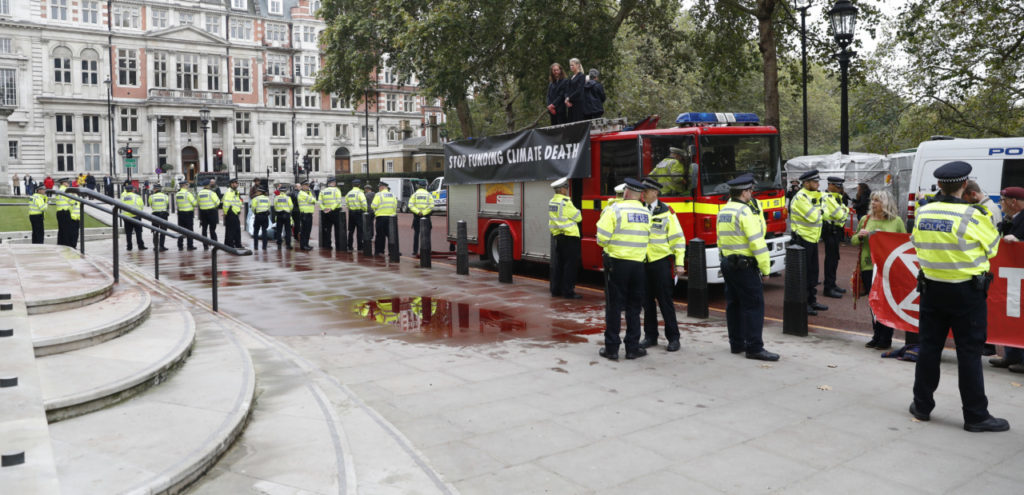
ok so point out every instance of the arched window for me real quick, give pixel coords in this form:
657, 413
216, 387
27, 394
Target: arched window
392, 134
90, 67
62, 65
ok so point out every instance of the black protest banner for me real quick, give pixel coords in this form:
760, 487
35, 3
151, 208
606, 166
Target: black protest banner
537, 154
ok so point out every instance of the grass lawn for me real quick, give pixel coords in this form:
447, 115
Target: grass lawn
15, 218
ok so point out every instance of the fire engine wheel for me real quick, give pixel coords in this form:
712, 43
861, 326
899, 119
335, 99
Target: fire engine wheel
492, 247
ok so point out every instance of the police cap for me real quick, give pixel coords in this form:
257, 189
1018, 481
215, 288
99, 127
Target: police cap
128, 187
836, 180
304, 183
634, 184
62, 180
332, 180
560, 183
368, 187
157, 187
233, 181
383, 184
677, 151
1013, 192
742, 183
810, 175
356, 182
650, 183
619, 188
953, 172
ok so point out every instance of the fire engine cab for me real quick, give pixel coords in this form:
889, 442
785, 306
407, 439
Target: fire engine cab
717, 147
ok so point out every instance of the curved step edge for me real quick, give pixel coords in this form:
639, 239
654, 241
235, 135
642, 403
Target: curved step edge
97, 334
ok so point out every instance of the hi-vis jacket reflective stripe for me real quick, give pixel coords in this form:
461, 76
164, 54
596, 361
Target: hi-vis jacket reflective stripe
385, 204
356, 200
283, 202
185, 200
806, 216
741, 233
330, 198
159, 202
208, 199
563, 216
624, 230
260, 204
61, 202
833, 209
954, 240
38, 204
232, 202
306, 202
76, 213
421, 203
133, 200
666, 236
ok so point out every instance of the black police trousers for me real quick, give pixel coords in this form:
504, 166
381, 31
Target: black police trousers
659, 276
355, 228
159, 239
63, 227
744, 306
283, 231
38, 230
208, 219
963, 308
832, 236
232, 230
566, 267
626, 290
186, 220
329, 229
306, 221
811, 260
130, 227
383, 235
416, 220
260, 223
73, 231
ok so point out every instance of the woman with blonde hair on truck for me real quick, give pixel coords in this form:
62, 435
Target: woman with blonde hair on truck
882, 217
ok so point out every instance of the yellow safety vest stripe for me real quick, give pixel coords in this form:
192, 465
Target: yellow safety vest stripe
283, 202
385, 204
185, 200
666, 238
624, 230
159, 202
806, 215
954, 241
835, 212
208, 199
38, 204
421, 203
356, 199
306, 202
740, 232
563, 216
260, 204
330, 198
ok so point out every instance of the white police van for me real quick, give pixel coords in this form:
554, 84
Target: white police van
997, 163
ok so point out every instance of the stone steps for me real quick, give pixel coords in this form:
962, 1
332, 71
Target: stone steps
62, 331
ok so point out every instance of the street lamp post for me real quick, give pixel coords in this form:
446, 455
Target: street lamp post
844, 20
802, 6
295, 165
204, 117
110, 124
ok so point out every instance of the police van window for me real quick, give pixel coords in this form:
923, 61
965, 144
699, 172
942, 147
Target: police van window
618, 161
723, 158
1013, 174
669, 160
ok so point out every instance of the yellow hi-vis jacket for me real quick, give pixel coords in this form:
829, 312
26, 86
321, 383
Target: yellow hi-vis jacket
133, 200
208, 199
624, 230
330, 198
185, 200
740, 232
671, 174
421, 203
666, 235
356, 200
954, 240
159, 202
38, 204
563, 216
385, 204
283, 203
260, 204
61, 202
306, 202
232, 202
833, 209
76, 213
805, 215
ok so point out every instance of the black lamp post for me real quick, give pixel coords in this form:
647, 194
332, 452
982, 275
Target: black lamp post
110, 124
295, 165
844, 21
204, 117
802, 6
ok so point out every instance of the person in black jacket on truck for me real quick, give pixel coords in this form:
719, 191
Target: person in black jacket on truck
556, 94
574, 91
593, 97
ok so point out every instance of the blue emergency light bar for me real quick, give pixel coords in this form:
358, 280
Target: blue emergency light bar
696, 118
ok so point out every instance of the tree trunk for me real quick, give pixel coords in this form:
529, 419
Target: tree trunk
770, 61
465, 117
510, 114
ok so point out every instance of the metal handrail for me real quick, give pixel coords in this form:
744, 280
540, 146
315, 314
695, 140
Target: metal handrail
206, 241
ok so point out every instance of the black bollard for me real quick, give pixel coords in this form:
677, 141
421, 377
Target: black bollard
504, 254
342, 231
552, 275
697, 280
425, 249
794, 299
367, 234
393, 253
461, 249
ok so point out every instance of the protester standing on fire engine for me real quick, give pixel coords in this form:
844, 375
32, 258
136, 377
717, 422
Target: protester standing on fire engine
666, 240
574, 92
835, 215
556, 94
563, 218
806, 218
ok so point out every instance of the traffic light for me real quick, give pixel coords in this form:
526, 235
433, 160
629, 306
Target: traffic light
218, 159
128, 152
307, 161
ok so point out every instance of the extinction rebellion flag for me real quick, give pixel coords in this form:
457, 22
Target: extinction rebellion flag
538, 154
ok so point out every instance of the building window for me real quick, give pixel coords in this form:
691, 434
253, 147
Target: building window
5, 7
238, 4
127, 67
241, 75
312, 130
314, 6
213, 73
364, 168
215, 126
277, 65
242, 120
59, 10
243, 162
389, 166
309, 34
8, 87
12, 149
314, 158
126, 16
338, 103
307, 98
62, 66
213, 24
91, 124
309, 65
159, 18
129, 120
279, 129
186, 19
392, 134
92, 156
5, 44
65, 157
409, 103
241, 29
278, 98
275, 7
160, 70
391, 104
364, 131
161, 125
189, 126
277, 32
90, 11
161, 158
280, 159
90, 71
341, 130
65, 123
188, 71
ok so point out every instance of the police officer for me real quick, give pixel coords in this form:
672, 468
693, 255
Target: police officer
133, 199
356, 202
954, 242
186, 203
232, 207
160, 203
209, 215
36, 209
74, 220
385, 206
421, 204
623, 231
563, 218
260, 206
330, 202
306, 204
666, 239
282, 216
63, 213
806, 218
835, 214
671, 173
744, 262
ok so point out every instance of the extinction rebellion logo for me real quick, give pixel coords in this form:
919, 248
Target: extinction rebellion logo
905, 304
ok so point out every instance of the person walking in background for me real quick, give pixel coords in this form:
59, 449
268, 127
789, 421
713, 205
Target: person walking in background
90, 181
883, 217
574, 92
16, 184
556, 94
593, 97
862, 202
974, 195
36, 209
108, 186
48, 184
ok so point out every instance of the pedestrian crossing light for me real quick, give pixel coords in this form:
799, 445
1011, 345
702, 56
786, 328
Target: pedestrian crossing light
128, 152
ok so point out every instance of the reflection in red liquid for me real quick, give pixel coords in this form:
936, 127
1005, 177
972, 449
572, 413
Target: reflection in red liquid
437, 317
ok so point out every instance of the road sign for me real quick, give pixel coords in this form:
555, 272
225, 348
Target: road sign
131, 163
